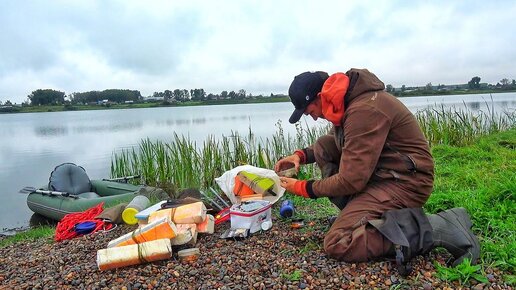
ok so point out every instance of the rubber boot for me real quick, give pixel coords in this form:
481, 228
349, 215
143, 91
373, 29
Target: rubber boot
451, 229
410, 233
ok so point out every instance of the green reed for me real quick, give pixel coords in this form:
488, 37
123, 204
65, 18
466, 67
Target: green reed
181, 163
459, 127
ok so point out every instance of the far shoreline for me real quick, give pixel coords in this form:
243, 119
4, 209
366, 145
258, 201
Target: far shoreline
139, 105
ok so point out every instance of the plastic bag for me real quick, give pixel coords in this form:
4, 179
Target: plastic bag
226, 182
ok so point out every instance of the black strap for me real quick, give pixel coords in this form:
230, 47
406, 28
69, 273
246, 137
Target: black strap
403, 267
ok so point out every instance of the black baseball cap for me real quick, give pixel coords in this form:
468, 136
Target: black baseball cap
303, 90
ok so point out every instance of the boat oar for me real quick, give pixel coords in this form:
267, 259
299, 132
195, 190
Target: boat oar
123, 179
211, 201
29, 189
219, 197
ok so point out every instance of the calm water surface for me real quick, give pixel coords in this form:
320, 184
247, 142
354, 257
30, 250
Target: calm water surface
32, 144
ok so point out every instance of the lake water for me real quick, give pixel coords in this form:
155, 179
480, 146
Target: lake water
32, 144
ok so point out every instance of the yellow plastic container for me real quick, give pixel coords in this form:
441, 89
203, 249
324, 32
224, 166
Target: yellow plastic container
128, 216
136, 205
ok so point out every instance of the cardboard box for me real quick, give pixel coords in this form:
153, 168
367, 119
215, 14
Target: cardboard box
144, 214
116, 257
162, 228
192, 213
207, 226
186, 234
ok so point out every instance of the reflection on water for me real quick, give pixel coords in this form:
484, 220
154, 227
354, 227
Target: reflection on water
54, 131
198, 121
32, 144
181, 122
108, 127
37, 220
233, 117
50, 131
474, 105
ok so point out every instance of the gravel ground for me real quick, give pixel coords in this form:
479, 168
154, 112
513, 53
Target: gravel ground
281, 258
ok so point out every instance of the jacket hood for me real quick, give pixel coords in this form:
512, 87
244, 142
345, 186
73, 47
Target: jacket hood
362, 81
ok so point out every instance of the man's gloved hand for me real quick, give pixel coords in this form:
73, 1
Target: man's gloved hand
287, 162
294, 186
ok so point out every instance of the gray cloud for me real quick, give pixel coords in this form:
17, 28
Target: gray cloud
258, 46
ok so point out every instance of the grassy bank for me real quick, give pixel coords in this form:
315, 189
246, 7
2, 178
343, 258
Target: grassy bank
481, 177
43, 232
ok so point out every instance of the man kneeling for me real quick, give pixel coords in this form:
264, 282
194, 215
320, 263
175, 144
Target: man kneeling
377, 168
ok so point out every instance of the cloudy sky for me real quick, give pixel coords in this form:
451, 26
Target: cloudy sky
259, 46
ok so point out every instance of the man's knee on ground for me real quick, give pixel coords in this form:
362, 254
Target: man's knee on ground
338, 245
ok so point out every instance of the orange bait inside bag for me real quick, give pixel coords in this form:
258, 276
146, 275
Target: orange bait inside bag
241, 189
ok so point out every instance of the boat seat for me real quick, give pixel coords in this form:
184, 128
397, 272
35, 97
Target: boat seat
70, 178
88, 195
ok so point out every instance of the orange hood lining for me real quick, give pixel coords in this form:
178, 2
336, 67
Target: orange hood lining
332, 97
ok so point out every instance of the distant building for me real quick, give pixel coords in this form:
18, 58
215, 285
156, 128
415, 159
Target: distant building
441, 87
153, 99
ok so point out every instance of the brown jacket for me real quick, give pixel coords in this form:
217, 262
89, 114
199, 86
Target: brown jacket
380, 140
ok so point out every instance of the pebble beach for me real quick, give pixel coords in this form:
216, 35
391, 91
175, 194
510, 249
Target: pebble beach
280, 258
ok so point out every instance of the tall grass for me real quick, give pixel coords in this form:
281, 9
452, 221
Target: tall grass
182, 164
459, 127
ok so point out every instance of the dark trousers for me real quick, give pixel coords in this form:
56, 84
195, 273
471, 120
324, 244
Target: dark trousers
351, 238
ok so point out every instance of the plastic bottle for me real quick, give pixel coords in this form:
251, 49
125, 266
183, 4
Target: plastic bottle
136, 205
287, 209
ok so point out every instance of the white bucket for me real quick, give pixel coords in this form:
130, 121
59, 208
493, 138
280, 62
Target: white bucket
253, 219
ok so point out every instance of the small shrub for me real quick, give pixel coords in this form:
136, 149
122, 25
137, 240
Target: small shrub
462, 273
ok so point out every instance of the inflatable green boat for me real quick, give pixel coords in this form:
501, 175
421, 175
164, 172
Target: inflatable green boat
70, 190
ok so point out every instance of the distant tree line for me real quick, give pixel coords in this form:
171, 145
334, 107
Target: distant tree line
54, 97
473, 85
183, 95
113, 95
46, 97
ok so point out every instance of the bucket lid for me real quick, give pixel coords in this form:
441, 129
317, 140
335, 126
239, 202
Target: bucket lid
128, 216
250, 207
266, 225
